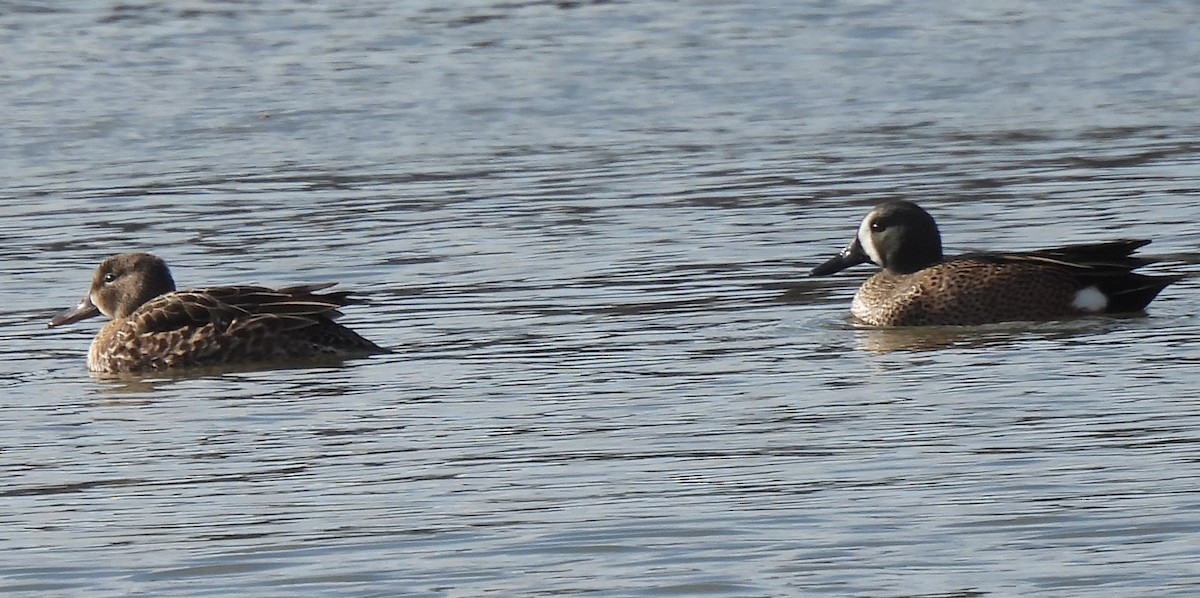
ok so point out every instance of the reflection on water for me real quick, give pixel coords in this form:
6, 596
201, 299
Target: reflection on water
931, 338
928, 339
585, 228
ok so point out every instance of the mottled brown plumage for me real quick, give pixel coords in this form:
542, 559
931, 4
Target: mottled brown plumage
919, 287
155, 327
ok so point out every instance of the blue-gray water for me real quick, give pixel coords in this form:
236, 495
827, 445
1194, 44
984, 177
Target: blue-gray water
585, 229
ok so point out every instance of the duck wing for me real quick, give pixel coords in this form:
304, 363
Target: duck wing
288, 308
1085, 260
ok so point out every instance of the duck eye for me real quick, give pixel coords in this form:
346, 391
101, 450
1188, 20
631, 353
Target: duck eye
109, 277
877, 226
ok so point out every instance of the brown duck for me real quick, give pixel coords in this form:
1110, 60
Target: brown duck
918, 286
155, 327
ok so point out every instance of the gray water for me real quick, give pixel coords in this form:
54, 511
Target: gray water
585, 229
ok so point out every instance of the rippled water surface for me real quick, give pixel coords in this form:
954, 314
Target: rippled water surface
585, 229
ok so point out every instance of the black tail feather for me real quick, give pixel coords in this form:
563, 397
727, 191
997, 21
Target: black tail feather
1133, 292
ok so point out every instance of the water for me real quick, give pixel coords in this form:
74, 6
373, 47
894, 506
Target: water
585, 228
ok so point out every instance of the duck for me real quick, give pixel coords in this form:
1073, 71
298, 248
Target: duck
155, 327
919, 286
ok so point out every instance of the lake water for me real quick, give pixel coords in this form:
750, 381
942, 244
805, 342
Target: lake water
585, 228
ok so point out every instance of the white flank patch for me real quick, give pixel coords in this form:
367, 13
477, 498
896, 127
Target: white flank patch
1090, 299
865, 241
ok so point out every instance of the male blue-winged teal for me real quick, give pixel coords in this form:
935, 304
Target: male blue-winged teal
919, 287
155, 327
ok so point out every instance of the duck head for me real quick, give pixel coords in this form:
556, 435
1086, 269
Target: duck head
121, 284
896, 235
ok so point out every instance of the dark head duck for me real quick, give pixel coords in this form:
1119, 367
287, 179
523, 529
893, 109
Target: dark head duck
919, 286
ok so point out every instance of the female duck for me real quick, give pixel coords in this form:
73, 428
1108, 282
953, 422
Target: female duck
155, 327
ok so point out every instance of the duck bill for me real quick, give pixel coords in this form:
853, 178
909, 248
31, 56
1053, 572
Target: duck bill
83, 311
852, 255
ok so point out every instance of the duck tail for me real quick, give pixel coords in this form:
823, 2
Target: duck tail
1133, 292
